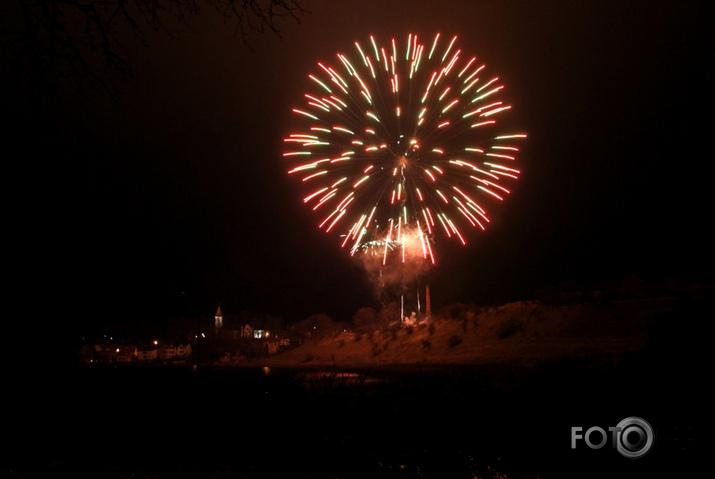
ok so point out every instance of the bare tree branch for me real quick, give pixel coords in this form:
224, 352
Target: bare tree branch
53, 46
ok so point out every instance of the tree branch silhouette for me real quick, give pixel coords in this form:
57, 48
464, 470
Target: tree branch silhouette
54, 47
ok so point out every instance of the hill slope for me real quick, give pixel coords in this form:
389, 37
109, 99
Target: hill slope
522, 332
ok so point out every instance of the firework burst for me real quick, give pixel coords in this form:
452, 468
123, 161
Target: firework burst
401, 144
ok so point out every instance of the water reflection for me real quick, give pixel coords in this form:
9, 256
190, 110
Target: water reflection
272, 422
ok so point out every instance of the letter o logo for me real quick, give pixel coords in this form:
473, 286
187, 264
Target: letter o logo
635, 437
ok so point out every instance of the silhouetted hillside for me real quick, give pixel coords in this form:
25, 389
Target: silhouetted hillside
526, 332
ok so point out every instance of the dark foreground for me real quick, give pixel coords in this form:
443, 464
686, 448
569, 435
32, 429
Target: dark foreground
490, 421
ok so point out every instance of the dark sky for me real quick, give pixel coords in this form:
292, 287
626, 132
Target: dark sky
174, 198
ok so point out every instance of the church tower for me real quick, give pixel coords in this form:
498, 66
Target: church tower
218, 320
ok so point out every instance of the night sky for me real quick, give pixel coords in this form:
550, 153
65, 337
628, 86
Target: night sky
173, 197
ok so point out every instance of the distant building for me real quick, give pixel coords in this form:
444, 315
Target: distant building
261, 334
108, 353
183, 350
246, 331
218, 320
169, 352
145, 355
126, 353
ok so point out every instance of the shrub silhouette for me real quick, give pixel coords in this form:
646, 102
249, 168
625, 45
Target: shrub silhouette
454, 340
508, 328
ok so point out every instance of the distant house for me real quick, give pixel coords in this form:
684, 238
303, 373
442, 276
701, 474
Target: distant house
246, 331
175, 352
109, 353
102, 353
145, 355
125, 353
261, 334
282, 336
167, 352
183, 350
96, 353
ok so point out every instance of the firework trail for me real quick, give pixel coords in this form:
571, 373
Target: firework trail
401, 144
